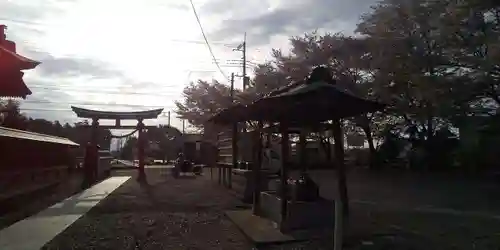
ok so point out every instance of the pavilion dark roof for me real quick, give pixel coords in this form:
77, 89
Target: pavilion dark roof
301, 102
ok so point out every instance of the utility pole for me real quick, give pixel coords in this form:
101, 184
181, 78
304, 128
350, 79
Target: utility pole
243, 48
183, 126
169, 118
234, 142
231, 90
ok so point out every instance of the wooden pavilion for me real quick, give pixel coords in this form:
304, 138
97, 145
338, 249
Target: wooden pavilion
306, 104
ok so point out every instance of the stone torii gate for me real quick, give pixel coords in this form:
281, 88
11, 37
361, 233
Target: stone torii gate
96, 115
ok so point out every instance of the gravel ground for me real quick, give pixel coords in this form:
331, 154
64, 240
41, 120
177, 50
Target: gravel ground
166, 214
187, 213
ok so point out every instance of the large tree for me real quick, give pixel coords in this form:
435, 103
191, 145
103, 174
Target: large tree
168, 139
201, 100
11, 116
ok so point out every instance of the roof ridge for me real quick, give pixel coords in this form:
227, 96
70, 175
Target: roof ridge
33, 133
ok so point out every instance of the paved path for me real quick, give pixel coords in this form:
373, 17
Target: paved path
36, 231
127, 163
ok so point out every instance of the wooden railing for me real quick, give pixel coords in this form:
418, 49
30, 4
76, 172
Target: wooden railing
224, 157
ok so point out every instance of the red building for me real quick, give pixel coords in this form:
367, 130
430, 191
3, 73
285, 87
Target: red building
11, 64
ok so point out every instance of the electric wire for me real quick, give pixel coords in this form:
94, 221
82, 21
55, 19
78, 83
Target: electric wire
206, 41
69, 89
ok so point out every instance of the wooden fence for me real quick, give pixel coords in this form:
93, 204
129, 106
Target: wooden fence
30, 162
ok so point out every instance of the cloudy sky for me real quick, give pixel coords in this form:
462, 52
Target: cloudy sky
137, 55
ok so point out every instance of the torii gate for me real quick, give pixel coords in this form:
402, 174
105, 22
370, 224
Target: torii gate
95, 115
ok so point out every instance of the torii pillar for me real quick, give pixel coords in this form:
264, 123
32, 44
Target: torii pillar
140, 150
91, 160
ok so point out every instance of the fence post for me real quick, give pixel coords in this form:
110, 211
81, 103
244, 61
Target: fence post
339, 225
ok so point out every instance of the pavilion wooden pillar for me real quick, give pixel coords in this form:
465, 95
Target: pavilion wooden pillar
217, 161
94, 147
302, 150
235, 151
284, 172
339, 157
94, 133
269, 137
257, 164
141, 149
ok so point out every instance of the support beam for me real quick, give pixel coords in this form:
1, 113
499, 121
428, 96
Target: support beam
340, 165
140, 151
257, 169
219, 173
217, 160
235, 151
302, 150
284, 172
92, 155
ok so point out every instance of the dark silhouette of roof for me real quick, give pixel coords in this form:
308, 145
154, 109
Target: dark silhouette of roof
11, 64
134, 115
313, 100
32, 136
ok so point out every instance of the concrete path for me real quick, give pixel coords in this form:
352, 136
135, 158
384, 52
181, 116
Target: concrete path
34, 232
132, 164
126, 163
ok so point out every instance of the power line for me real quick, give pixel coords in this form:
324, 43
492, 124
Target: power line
62, 110
87, 86
93, 103
201, 42
41, 109
206, 40
102, 92
25, 22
